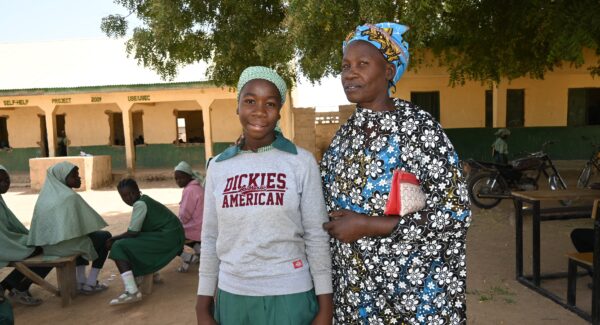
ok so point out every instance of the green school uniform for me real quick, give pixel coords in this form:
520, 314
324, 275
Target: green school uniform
293, 309
160, 238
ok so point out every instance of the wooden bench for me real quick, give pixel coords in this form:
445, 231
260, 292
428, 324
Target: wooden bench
584, 260
65, 275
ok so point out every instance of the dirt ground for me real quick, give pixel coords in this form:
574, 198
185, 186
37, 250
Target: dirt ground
494, 297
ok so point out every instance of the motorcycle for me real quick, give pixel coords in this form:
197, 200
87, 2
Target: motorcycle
489, 183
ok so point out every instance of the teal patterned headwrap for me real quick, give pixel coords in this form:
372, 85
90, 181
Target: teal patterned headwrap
387, 38
258, 72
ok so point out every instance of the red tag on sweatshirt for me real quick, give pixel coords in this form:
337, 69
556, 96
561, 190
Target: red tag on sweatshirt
297, 264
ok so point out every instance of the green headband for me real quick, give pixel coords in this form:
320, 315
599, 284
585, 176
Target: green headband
252, 73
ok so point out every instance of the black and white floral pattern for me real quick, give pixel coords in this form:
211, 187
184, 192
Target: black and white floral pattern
417, 275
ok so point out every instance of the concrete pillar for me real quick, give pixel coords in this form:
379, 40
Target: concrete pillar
50, 128
208, 143
125, 108
128, 133
286, 121
499, 101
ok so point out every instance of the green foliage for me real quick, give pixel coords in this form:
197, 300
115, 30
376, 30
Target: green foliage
483, 40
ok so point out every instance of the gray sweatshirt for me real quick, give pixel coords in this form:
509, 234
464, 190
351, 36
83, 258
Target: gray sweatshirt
262, 231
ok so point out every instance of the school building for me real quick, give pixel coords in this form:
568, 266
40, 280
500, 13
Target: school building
563, 108
139, 126
149, 123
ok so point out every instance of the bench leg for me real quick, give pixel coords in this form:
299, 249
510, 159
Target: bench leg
72, 278
572, 283
64, 285
26, 271
147, 283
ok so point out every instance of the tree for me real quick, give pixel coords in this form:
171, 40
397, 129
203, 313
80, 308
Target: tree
483, 40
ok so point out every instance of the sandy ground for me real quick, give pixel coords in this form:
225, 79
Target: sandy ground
494, 297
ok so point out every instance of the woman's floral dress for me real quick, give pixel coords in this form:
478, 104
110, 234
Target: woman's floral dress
417, 275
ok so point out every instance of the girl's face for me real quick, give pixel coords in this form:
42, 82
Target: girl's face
365, 75
182, 179
258, 110
73, 180
129, 195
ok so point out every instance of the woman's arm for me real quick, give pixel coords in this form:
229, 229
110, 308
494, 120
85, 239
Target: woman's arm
447, 212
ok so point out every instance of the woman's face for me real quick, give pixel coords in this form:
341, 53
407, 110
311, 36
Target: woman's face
73, 180
4, 181
182, 179
365, 75
258, 110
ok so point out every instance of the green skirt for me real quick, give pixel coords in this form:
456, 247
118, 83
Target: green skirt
294, 309
149, 251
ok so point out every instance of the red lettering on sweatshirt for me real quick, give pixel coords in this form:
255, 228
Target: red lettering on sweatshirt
254, 189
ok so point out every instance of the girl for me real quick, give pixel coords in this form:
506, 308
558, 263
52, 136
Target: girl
190, 210
264, 251
154, 237
64, 224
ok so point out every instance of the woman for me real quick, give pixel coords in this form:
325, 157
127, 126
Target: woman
13, 240
390, 269
154, 237
264, 251
64, 224
190, 210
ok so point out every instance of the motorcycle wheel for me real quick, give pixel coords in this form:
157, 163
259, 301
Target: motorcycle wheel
486, 184
584, 177
557, 183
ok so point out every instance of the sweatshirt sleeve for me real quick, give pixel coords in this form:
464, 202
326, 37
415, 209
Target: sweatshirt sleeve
209, 262
316, 239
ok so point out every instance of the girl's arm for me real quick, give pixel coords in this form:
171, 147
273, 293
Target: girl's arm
316, 240
209, 262
138, 215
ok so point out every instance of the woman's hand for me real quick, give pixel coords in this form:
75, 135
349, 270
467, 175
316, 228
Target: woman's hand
204, 314
347, 226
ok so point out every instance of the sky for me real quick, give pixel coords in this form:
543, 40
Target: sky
42, 24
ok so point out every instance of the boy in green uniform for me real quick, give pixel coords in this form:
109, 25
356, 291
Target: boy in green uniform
154, 237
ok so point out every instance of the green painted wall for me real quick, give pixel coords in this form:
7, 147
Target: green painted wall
169, 155
18, 159
117, 154
568, 143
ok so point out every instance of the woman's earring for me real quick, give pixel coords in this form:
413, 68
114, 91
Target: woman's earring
391, 84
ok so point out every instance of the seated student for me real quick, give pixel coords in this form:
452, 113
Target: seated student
64, 224
154, 237
13, 241
190, 210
